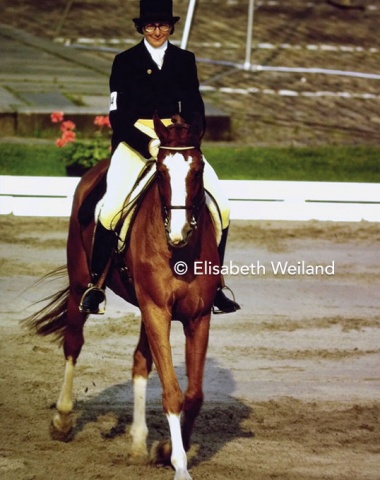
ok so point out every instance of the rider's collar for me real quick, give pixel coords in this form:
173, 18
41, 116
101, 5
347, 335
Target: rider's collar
157, 53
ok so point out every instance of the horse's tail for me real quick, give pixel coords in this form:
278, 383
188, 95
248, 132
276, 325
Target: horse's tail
52, 318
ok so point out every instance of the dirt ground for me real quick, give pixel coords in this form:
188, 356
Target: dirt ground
291, 384
292, 380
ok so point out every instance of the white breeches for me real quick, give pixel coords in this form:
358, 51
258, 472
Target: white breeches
125, 167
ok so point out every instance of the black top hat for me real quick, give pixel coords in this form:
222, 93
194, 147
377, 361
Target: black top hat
155, 10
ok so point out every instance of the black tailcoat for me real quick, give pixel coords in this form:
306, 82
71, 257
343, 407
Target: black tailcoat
143, 88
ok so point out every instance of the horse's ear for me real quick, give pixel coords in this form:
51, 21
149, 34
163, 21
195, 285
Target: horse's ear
198, 125
159, 127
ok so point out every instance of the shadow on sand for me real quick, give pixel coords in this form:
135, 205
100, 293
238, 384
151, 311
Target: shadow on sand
220, 421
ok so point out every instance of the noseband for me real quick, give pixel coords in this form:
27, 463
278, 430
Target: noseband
194, 209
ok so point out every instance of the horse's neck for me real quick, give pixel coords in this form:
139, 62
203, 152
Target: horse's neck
205, 223
149, 225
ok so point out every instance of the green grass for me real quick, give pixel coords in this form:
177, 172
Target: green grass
335, 164
33, 160
329, 163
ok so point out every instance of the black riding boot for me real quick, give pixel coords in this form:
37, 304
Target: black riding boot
221, 302
102, 248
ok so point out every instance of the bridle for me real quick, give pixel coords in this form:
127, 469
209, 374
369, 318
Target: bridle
176, 148
193, 208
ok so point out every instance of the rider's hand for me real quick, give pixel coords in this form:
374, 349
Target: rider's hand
153, 147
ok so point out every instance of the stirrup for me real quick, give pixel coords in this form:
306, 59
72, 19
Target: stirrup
217, 311
103, 300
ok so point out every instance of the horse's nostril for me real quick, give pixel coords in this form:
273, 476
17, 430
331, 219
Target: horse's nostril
187, 234
176, 241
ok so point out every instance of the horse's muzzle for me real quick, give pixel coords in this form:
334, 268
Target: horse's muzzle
179, 241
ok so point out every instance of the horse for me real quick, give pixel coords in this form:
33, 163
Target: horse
172, 230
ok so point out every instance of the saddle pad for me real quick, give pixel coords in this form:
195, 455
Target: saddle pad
146, 126
138, 186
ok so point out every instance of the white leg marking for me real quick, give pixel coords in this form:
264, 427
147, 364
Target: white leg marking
65, 400
62, 420
139, 429
178, 458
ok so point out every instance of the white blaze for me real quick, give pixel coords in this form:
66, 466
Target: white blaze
178, 169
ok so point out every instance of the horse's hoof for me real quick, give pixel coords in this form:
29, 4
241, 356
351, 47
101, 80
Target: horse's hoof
61, 431
161, 452
138, 454
182, 475
59, 436
138, 458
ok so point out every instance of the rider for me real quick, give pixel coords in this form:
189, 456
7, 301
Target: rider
154, 75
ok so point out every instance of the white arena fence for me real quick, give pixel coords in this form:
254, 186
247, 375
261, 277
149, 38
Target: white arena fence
250, 199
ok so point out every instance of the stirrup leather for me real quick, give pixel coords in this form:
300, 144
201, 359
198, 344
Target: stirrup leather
103, 301
217, 311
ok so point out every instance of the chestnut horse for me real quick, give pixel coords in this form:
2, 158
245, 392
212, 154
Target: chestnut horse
172, 229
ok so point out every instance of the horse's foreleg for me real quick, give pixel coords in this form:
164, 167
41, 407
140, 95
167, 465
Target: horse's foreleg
157, 324
62, 423
178, 456
142, 366
197, 334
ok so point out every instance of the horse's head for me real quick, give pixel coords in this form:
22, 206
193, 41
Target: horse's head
180, 177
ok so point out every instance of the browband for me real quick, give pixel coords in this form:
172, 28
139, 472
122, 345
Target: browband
176, 148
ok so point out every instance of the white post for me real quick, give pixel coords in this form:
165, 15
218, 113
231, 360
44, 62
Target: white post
251, 9
69, 4
189, 18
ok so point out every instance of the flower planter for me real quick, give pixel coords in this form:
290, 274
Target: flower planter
80, 155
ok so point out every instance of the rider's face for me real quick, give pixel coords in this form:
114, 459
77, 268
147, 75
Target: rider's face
155, 33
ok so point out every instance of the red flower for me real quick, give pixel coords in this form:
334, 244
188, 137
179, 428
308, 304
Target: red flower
56, 117
102, 121
60, 142
67, 125
68, 136
98, 120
